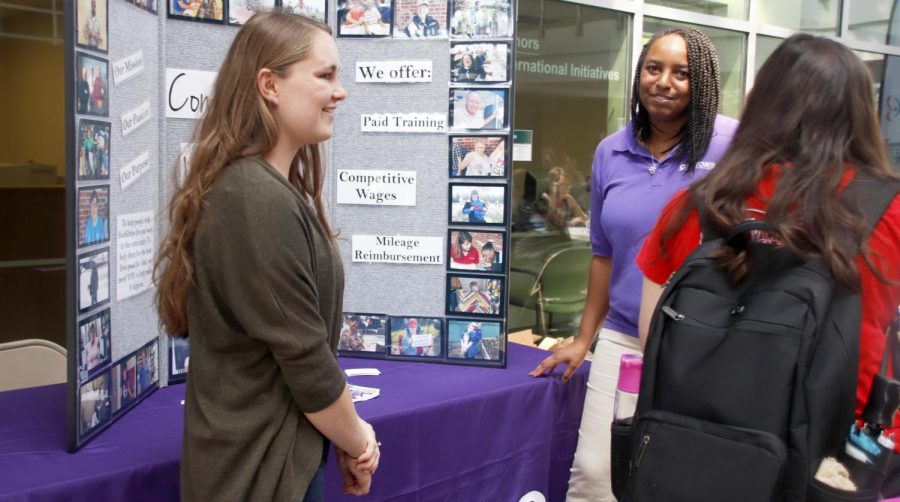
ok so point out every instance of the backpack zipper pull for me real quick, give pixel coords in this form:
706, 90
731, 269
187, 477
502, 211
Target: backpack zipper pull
644, 441
669, 311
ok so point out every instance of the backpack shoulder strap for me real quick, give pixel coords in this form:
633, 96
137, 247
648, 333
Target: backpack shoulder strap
707, 231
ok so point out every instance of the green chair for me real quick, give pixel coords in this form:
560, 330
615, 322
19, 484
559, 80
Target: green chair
561, 289
558, 290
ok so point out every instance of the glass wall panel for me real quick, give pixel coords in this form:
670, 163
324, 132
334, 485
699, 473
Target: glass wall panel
572, 86
732, 49
889, 99
812, 16
870, 19
875, 63
726, 8
765, 46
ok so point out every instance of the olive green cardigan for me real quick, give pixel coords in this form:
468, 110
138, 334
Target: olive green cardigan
264, 316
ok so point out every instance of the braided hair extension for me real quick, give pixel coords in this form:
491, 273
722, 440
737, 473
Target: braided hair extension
703, 70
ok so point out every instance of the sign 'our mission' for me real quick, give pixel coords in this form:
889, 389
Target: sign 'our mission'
407, 250
376, 187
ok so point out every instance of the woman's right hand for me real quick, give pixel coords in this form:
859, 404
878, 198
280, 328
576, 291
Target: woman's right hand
572, 355
355, 482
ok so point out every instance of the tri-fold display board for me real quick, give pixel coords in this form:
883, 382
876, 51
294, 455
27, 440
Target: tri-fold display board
418, 182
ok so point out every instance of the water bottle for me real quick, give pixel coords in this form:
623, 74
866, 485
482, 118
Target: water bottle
627, 388
623, 415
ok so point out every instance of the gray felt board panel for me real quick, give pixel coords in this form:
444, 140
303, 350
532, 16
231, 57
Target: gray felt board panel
379, 287
133, 320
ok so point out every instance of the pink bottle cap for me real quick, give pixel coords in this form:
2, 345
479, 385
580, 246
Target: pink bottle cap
630, 373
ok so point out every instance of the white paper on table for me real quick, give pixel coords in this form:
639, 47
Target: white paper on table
351, 372
359, 393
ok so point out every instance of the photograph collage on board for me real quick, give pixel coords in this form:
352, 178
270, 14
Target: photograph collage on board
480, 160
238, 12
429, 339
115, 389
92, 142
480, 83
479, 340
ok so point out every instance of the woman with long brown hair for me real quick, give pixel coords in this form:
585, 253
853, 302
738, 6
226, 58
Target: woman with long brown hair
808, 130
250, 271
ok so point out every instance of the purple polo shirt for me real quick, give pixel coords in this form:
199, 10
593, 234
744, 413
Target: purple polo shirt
626, 201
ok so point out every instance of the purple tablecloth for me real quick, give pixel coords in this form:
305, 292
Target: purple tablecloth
447, 433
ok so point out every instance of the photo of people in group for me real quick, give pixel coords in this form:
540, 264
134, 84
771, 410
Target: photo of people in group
124, 385
364, 18
239, 11
419, 19
94, 403
203, 10
481, 251
477, 204
91, 86
93, 215
479, 63
93, 150
363, 333
93, 279
478, 157
478, 109
91, 20
481, 19
475, 295
416, 336
93, 342
475, 340
314, 9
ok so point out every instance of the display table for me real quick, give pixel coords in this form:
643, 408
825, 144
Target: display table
447, 433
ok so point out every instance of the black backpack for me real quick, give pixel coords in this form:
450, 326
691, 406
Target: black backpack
746, 387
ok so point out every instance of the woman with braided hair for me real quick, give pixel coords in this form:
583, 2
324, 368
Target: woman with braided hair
675, 136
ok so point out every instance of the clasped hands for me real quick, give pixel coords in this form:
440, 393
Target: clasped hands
357, 472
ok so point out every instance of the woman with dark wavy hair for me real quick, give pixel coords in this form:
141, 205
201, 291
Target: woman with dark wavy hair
808, 129
251, 272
